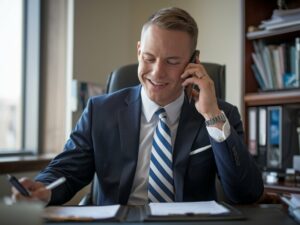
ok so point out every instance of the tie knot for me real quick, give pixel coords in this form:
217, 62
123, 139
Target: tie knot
161, 113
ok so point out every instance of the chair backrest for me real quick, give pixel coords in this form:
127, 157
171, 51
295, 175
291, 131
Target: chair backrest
126, 76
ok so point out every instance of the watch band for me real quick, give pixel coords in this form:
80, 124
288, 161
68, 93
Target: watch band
219, 118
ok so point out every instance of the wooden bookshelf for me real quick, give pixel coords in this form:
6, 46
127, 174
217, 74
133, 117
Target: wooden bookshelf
271, 33
254, 12
272, 97
282, 188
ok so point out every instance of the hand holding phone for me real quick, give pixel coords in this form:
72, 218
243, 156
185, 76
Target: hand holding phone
14, 182
23, 191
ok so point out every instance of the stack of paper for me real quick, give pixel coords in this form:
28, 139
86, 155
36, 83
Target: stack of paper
77, 213
295, 200
294, 205
187, 208
282, 19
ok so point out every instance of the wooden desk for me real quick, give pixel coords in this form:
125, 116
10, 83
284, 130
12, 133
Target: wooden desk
255, 215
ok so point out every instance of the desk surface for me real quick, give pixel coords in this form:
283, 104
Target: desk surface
255, 215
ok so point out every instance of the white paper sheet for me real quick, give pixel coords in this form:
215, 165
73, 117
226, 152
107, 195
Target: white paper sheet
183, 208
79, 213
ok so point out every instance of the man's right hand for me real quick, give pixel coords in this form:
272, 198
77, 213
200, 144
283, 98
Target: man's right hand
37, 189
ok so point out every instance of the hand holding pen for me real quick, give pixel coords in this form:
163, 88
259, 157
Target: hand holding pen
38, 190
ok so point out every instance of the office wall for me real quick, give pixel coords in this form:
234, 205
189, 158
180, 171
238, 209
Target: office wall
106, 33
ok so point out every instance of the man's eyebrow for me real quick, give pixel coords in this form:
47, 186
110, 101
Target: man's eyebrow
147, 53
174, 57
169, 57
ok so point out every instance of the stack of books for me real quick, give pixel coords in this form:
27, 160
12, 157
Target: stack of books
282, 19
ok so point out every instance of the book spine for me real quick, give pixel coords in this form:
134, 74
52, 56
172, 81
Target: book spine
297, 61
274, 148
252, 130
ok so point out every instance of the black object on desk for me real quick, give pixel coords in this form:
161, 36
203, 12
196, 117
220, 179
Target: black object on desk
14, 182
185, 211
254, 214
232, 214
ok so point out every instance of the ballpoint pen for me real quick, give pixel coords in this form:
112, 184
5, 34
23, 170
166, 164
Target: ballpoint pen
56, 183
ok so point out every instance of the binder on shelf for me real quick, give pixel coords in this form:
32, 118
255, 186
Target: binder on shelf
262, 136
274, 139
297, 61
282, 138
252, 130
290, 140
274, 148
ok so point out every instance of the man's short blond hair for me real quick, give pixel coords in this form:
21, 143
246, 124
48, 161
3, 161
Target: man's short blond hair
174, 18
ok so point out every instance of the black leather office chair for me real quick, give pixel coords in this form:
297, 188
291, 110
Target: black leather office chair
126, 76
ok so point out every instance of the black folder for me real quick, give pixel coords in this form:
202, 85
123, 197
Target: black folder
233, 214
143, 213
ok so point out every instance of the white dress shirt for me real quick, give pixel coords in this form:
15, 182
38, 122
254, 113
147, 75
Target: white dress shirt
139, 191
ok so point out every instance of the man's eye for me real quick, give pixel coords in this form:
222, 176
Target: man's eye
149, 59
173, 61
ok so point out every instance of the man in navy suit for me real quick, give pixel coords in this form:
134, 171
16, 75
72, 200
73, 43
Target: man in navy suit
114, 135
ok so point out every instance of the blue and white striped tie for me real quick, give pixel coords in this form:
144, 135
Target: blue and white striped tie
161, 184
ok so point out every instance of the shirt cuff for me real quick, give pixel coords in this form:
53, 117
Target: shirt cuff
219, 135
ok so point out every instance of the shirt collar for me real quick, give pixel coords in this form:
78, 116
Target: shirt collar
173, 109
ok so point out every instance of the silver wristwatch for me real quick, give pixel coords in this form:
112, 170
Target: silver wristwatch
219, 118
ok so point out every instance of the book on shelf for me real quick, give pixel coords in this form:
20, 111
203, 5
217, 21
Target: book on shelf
262, 135
272, 135
297, 60
274, 146
252, 130
276, 66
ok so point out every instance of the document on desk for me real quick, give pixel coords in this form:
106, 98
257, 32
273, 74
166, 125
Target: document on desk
192, 211
187, 208
81, 213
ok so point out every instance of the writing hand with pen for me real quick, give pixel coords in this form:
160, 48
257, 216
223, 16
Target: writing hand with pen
27, 189
204, 98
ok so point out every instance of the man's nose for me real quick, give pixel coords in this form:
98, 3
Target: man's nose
158, 69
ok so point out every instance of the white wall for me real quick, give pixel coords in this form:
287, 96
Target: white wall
220, 40
107, 33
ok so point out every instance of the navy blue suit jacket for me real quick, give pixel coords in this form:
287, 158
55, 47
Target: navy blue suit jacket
106, 141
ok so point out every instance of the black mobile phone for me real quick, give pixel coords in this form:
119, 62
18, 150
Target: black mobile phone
194, 56
190, 89
14, 182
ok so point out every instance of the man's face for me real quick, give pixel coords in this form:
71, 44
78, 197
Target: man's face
163, 55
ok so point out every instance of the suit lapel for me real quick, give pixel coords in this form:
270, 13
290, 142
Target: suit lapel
188, 126
129, 122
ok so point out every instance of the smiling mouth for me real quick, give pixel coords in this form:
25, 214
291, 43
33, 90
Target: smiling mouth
157, 84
